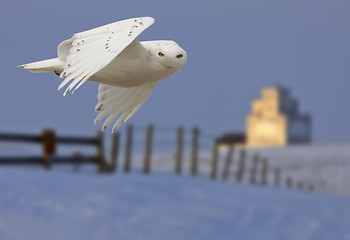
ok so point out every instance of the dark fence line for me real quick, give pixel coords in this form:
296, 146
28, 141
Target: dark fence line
258, 173
13, 137
254, 169
49, 141
40, 160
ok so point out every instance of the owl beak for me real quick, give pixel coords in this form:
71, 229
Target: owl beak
169, 66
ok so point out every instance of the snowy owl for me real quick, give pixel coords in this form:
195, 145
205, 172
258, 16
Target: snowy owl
127, 70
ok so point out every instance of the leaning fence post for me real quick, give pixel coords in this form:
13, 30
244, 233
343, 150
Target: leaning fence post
49, 146
148, 149
114, 152
311, 187
179, 145
214, 160
194, 153
228, 161
277, 172
264, 166
253, 169
300, 185
128, 146
240, 170
100, 152
289, 182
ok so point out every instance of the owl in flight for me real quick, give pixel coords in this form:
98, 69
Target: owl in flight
127, 70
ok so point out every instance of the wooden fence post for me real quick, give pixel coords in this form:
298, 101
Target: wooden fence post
264, 167
228, 160
179, 150
148, 149
277, 172
128, 146
100, 152
214, 159
49, 147
240, 170
300, 185
194, 153
114, 153
311, 187
254, 169
289, 182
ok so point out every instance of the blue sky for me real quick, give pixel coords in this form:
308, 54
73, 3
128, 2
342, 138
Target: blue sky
234, 49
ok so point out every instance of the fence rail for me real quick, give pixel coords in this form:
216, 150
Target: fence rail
13, 137
40, 160
49, 140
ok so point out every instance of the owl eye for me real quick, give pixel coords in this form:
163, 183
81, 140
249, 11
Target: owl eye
179, 56
161, 54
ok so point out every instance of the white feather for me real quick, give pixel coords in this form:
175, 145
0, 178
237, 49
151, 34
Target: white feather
98, 46
121, 100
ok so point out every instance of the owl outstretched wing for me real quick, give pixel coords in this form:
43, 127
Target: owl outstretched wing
121, 103
88, 52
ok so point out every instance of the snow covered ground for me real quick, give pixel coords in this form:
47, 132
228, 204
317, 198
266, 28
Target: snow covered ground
35, 204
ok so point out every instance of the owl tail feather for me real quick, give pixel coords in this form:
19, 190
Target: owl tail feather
50, 65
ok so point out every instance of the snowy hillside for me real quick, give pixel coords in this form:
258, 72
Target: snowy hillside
60, 205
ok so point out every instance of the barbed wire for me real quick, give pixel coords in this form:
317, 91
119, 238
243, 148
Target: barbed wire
166, 137
207, 135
